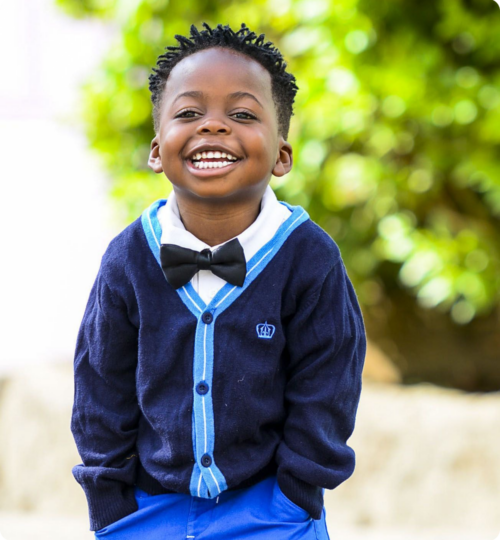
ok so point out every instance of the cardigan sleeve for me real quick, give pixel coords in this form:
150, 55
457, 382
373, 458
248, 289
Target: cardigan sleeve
326, 345
105, 412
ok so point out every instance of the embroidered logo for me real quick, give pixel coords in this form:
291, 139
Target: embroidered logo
265, 331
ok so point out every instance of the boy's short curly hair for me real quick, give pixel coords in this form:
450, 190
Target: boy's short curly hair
244, 41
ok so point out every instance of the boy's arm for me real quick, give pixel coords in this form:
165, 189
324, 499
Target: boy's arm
105, 411
327, 345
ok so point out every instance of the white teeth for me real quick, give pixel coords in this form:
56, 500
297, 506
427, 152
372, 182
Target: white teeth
211, 164
216, 154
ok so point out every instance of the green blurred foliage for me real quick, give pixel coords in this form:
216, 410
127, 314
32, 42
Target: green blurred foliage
396, 131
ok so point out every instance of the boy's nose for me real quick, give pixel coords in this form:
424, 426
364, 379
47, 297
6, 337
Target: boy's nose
213, 125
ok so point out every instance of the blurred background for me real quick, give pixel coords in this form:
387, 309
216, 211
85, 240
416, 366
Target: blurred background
396, 138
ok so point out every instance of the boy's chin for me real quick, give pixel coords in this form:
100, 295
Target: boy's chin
222, 194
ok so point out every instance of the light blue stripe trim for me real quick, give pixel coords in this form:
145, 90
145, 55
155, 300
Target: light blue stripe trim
209, 482
213, 479
197, 486
193, 302
152, 230
152, 227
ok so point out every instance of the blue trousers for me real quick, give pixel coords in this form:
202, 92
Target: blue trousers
260, 512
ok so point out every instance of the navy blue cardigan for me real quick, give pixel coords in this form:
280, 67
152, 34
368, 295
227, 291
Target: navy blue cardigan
173, 395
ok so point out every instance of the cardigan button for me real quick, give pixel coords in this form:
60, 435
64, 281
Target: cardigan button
207, 317
202, 388
206, 460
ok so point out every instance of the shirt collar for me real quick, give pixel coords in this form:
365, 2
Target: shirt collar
271, 216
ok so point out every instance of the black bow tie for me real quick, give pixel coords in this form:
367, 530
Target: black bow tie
181, 264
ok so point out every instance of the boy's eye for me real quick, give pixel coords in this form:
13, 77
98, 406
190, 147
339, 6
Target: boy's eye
183, 113
249, 116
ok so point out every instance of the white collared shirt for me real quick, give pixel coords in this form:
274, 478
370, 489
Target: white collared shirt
272, 215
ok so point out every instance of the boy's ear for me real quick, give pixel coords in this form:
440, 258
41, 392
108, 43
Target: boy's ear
154, 160
284, 161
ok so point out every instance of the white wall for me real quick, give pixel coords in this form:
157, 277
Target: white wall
54, 218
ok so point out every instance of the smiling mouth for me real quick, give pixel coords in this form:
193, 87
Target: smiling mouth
211, 165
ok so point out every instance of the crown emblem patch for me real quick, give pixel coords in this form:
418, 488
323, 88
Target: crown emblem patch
265, 331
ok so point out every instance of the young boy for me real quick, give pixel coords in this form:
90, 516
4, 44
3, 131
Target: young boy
218, 365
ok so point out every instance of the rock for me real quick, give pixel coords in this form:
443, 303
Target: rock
37, 451
426, 458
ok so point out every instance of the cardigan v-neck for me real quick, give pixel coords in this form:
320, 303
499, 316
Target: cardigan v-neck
272, 214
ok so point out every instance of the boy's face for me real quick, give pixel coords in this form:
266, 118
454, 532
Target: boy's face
242, 125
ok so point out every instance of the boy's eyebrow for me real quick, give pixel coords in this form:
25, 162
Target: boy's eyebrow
200, 95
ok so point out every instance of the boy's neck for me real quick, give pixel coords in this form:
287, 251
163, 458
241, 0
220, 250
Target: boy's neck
213, 223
